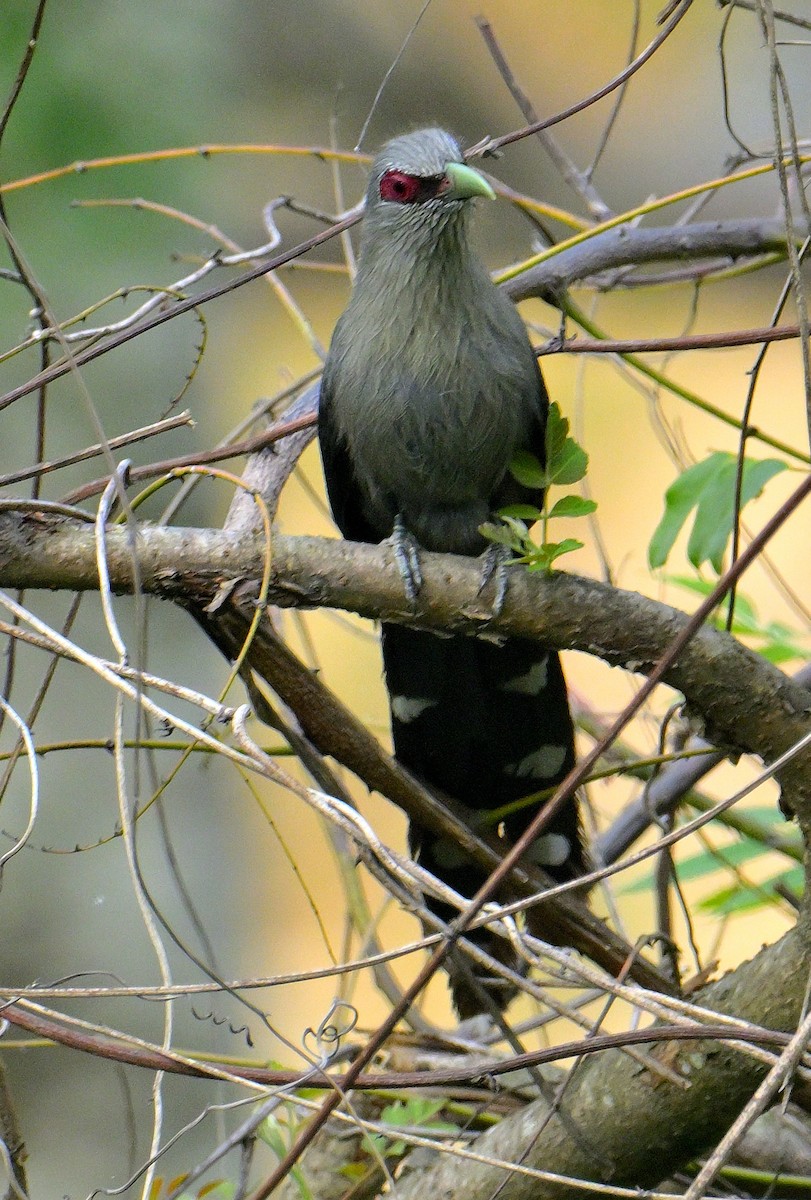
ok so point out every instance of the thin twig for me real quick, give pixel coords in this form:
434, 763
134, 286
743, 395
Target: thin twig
692, 341
779, 14
577, 179
251, 445
618, 99
618, 80
175, 309
391, 69
115, 443
144, 1054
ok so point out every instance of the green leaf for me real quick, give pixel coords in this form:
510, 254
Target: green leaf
730, 900
353, 1171
566, 464
736, 899
570, 466
774, 640
713, 521
572, 506
704, 863
503, 534
680, 499
767, 814
416, 1112
557, 431
778, 654
566, 461
716, 507
545, 555
709, 488
692, 584
270, 1131
526, 468
524, 512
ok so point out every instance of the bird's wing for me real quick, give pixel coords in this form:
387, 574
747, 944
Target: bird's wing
510, 491
343, 488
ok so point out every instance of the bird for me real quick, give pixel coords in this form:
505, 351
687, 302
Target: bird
430, 388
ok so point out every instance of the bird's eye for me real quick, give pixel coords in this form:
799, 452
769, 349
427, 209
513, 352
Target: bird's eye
398, 187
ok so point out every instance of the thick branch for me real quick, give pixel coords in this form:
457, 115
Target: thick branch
628, 246
747, 703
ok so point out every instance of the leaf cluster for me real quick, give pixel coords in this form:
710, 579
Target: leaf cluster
710, 488
566, 463
416, 1112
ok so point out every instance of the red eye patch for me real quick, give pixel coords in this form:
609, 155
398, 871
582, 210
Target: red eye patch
398, 187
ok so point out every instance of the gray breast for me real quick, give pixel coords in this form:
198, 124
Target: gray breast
435, 407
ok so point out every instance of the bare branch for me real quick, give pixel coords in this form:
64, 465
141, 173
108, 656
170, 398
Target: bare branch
115, 443
38, 1020
578, 180
618, 80
626, 246
658, 345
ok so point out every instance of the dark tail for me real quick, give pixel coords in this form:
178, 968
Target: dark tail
486, 724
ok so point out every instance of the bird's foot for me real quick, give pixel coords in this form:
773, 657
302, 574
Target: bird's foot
495, 561
407, 557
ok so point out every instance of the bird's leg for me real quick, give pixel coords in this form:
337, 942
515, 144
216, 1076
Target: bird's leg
495, 561
407, 557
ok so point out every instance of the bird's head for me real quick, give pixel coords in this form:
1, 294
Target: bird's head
420, 181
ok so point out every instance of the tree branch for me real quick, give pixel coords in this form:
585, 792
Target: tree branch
634, 1127
627, 246
748, 704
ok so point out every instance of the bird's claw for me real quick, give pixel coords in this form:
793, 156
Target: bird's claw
407, 557
494, 567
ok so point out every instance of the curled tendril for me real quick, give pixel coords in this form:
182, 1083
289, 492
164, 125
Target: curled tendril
324, 1043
